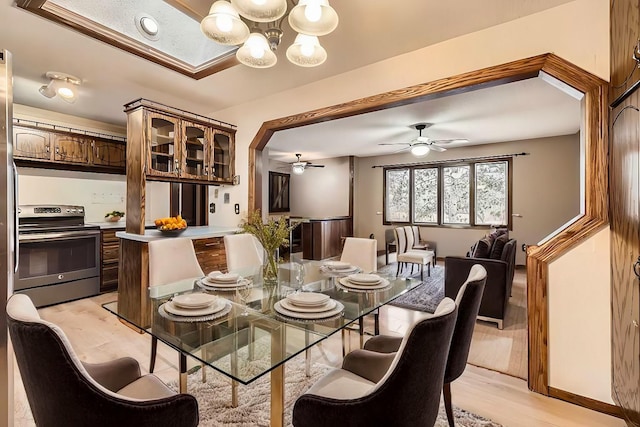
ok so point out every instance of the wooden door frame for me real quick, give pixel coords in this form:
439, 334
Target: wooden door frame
594, 131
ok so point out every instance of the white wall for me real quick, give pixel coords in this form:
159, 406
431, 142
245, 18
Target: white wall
546, 192
580, 320
576, 31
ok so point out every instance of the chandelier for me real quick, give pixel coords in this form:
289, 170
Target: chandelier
227, 24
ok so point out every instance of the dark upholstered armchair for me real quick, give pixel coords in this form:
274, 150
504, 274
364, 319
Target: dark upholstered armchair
468, 303
62, 390
374, 389
497, 291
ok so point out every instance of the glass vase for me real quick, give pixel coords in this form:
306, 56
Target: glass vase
270, 267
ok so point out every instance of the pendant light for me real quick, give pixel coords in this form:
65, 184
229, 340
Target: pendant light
313, 17
306, 51
261, 10
256, 52
223, 24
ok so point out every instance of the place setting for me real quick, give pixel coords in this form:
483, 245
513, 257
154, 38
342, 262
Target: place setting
339, 268
363, 282
309, 306
225, 282
194, 307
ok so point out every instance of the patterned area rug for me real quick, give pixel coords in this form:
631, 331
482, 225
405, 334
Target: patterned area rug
214, 399
424, 297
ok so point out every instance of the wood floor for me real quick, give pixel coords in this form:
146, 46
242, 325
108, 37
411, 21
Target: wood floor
98, 336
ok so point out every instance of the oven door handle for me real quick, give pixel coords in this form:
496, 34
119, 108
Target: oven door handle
38, 237
16, 237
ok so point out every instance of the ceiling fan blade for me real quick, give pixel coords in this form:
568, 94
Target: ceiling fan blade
434, 147
394, 143
450, 141
309, 165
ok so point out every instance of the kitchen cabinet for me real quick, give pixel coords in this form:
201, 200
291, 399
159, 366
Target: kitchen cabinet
324, 238
211, 254
109, 260
46, 146
179, 146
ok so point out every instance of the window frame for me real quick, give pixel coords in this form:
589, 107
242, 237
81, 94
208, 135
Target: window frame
471, 163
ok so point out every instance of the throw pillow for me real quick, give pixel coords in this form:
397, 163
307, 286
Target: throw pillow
483, 248
498, 246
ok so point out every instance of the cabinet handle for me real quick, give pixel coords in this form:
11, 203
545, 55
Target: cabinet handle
636, 268
57, 150
177, 169
48, 149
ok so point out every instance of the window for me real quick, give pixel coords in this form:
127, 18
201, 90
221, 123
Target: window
449, 194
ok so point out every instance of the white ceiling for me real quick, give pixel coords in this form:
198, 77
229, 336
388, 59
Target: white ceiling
516, 111
369, 31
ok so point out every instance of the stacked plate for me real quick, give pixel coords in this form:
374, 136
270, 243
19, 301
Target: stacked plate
308, 305
195, 304
222, 281
364, 281
340, 267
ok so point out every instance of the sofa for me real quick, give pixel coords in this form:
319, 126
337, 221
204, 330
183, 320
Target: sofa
497, 254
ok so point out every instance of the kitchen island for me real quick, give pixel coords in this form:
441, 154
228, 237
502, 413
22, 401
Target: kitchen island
133, 274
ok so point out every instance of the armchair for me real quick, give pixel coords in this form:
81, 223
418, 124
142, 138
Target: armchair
497, 291
62, 390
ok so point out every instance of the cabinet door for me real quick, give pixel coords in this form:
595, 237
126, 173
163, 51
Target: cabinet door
222, 157
109, 153
163, 152
72, 149
195, 139
31, 144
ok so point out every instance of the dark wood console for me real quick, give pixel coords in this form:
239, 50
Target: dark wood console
323, 238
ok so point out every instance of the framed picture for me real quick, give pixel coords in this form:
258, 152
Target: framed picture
278, 192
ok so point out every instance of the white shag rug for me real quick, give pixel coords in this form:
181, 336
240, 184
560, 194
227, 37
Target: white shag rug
214, 398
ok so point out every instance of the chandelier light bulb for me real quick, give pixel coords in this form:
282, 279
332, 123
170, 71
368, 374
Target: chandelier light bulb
256, 52
313, 12
261, 10
259, 2
224, 23
306, 51
65, 92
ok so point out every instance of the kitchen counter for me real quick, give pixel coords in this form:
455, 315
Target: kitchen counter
202, 232
119, 224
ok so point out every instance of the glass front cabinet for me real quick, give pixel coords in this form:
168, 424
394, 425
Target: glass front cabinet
185, 149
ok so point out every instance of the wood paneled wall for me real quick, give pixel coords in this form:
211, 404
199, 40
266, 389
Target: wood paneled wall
625, 215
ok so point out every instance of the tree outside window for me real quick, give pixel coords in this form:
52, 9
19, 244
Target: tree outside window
397, 195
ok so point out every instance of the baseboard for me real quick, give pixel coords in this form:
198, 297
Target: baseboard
586, 402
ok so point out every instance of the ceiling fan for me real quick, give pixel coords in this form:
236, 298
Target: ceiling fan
299, 166
422, 145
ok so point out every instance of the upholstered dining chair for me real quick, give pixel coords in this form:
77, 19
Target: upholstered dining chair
468, 303
62, 390
170, 261
375, 389
407, 255
244, 253
361, 252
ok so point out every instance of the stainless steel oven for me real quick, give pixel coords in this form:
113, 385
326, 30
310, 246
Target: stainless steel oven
59, 254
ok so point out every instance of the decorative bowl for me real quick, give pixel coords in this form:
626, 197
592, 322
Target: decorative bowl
113, 218
173, 232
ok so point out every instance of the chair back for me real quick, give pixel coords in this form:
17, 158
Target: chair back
468, 303
244, 253
361, 252
408, 233
401, 240
172, 260
416, 234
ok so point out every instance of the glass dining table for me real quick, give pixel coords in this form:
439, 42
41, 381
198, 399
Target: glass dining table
250, 336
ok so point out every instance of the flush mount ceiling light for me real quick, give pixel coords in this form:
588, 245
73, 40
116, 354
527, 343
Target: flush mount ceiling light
61, 84
147, 26
229, 23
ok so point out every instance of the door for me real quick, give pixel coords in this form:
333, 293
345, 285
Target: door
222, 157
73, 149
163, 145
625, 250
31, 144
195, 140
109, 153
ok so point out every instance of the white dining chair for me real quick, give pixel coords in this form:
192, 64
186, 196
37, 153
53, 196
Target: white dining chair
244, 253
361, 253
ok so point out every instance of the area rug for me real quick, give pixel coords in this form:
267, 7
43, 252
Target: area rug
214, 399
424, 297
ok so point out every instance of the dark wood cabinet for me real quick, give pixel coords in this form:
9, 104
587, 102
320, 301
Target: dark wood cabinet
109, 257
211, 254
324, 238
55, 149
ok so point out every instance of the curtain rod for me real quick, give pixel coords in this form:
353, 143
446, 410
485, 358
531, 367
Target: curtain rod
504, 156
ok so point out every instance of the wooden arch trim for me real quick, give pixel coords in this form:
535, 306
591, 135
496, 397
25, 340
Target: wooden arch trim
595, 119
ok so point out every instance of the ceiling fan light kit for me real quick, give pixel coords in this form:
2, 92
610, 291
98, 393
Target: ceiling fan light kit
422, 145
299, 166
420, 149
226, 25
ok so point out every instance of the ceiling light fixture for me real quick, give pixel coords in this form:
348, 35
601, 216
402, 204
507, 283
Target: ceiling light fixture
61, 84
420, 149
147, 26
298, 167
227, 24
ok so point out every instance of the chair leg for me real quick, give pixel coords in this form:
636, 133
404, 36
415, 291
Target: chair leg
421, 271
376, 323
446, 391
398, 269
429, 269
154, 350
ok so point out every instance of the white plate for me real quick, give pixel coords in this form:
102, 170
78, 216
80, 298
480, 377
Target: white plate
329, 305
297, 315
338, 265
194, 300
347, 283
308, 299
223, 277
364, 279
178, 311
206, 284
